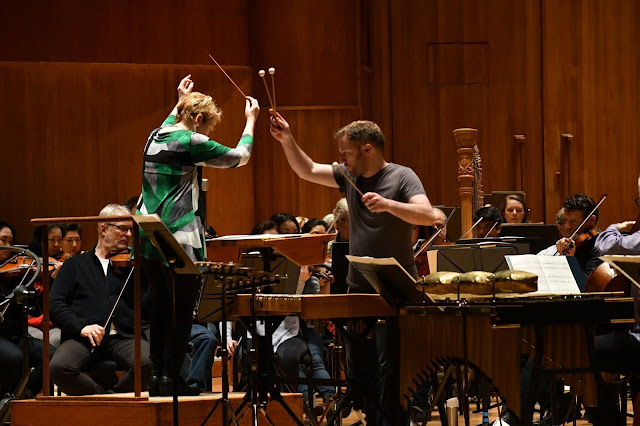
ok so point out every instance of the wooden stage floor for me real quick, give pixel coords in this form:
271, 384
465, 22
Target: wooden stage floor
124, 409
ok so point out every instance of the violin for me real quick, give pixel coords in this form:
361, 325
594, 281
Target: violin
16, 266
122, 262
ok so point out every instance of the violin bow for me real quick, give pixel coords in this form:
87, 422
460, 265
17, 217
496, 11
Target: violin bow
113, 309
334, 222
492, 228
604, 197
471, 229
427, 243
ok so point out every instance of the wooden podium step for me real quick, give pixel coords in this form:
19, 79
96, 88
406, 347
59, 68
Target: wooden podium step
124, 409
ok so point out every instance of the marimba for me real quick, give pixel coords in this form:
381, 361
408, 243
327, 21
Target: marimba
490, 335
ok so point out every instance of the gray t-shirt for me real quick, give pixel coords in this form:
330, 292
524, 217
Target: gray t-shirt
379, 234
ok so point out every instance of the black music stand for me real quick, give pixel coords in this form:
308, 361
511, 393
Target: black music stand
474, 257
389, 279
224, 400
179, 263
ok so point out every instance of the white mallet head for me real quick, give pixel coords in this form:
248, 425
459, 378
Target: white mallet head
261, 73
335, 165
272, 70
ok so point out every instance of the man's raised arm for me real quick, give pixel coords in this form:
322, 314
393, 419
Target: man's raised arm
299, 161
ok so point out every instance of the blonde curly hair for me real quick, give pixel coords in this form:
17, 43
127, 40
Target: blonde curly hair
198, 103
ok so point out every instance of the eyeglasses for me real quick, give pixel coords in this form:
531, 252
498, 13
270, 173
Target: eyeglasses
123, 229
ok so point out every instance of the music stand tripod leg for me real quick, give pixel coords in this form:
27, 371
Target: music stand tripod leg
227, 410
172, 280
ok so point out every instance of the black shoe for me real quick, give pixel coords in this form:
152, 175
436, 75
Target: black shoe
511, 418
154, 385
166, 386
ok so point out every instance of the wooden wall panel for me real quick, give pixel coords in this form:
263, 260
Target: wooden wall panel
277, 187
591, 70
313, 47
84, 126
317, 59
146, 31
492, 85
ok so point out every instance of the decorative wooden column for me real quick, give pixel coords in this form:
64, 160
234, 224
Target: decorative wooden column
465, 141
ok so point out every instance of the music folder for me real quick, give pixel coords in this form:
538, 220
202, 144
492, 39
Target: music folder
396, 286
163, 240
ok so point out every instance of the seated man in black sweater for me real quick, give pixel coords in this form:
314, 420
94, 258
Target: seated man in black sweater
82, 297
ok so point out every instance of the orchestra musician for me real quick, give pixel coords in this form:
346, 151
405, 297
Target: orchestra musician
286, 223
11, 334
576, 208
380, 223
490, 225
54, 251
341, 212
71, 240
563, 230
81, 300
170, 188
514, 209
618, 351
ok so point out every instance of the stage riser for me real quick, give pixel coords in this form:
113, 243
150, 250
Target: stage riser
155, 411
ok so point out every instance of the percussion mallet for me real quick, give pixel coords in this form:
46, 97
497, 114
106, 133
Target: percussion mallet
272, 71
261, 73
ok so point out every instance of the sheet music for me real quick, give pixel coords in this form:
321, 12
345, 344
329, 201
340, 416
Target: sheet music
554, 273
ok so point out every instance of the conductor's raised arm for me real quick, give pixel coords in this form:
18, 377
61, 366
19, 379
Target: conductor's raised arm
299, 161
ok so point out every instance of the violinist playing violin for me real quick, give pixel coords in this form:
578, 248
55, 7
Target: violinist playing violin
491, 223
611, 241
618, 351
82, 298
582, 246
11, 334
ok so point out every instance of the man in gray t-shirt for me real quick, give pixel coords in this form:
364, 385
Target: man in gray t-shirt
380, 224
394, 198
379, 234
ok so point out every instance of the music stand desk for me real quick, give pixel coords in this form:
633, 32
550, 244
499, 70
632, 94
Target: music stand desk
305, 249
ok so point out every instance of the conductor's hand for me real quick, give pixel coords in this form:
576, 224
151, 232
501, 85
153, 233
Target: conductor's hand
231, 347
251, 108
375, 202
94, 332
566, 246
279, 127
625, 226
185, 87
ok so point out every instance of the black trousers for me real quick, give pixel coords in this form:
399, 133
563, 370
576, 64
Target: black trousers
168, 340
373, 362
74, 357
11, 364
291, 352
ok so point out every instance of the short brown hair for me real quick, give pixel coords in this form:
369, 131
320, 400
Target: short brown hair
198, 103
362, 131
